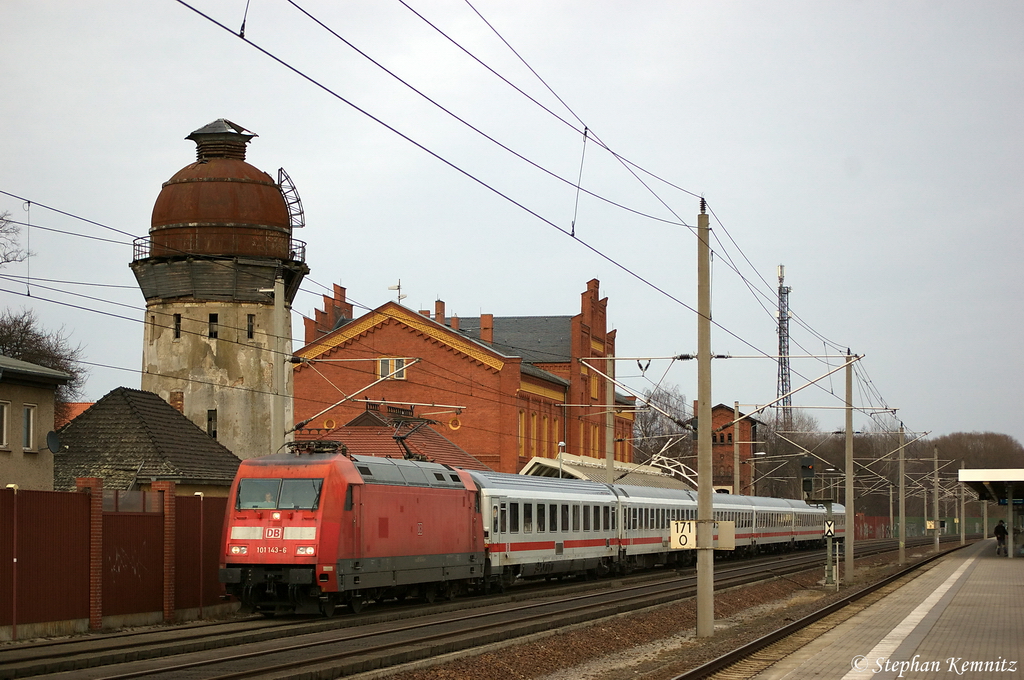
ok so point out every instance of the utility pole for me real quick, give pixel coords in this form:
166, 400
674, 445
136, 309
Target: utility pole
924, 505
736, 448
963, 511
705, 519
848, 542
903, 503
935, 500
280, 354
890, 511
609, 416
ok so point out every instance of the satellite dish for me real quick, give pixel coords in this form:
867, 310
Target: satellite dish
53, 441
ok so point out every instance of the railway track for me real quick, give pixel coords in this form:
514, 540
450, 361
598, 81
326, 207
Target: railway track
271, 648
758, 655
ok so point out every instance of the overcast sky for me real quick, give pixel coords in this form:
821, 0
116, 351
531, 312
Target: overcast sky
874, 148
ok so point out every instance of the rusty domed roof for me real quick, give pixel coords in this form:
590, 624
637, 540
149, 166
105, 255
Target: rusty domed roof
219, 204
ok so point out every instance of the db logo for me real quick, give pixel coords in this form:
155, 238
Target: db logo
272, 532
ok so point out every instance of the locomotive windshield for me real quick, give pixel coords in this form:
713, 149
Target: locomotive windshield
281, 494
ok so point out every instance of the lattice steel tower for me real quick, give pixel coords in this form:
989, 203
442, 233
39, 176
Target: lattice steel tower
786, 402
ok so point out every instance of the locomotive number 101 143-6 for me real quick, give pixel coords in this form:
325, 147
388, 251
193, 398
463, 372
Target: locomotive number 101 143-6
272, 549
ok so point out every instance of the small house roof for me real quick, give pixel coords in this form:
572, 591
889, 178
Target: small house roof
16, 370
131, 436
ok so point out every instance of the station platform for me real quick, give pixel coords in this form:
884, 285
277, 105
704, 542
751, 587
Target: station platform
963, 618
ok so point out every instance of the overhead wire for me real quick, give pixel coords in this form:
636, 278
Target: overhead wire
733, 266
466, 173
476, 129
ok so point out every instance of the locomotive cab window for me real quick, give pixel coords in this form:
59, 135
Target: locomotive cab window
284, 494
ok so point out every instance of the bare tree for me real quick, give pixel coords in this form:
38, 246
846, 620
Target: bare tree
981, 449
778, 475
652, 430
10, 248
21, 337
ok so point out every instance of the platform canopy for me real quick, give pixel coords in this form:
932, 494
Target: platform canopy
994, 484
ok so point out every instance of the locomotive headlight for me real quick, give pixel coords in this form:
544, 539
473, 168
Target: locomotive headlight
305, 550
239, 550
275, 515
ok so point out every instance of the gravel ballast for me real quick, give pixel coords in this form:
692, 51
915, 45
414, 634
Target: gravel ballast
654, 644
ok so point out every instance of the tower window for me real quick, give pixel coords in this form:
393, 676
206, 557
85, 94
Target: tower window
211, 423
213, 326
177, 326
250, 326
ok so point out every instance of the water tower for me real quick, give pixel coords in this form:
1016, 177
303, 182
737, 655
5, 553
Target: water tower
219, 271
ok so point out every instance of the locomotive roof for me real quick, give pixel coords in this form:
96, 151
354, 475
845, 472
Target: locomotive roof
401, 472
374, 469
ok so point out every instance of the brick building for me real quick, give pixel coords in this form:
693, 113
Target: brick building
724, 436
505, 389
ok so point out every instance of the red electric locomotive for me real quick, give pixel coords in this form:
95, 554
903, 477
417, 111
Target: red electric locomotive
305, 533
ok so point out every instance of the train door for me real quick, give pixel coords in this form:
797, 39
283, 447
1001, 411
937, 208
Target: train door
498, 529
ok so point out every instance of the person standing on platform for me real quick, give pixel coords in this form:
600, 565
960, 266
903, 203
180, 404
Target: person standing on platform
1000, 533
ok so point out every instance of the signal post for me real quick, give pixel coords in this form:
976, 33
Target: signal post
807, 481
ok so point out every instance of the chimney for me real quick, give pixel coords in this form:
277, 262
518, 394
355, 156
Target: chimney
455, 323
221, 139
439, 311
177, 400
487, 328
425, 312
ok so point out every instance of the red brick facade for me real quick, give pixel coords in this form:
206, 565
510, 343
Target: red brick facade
94, 487
723, 437
492, 392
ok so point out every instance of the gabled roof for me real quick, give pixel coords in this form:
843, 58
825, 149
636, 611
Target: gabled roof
130, 436
369, 434
719, 407
393, 312
537, 339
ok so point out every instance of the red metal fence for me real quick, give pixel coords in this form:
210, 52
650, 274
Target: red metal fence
200, 522
133, 563
44, 556
61, 564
